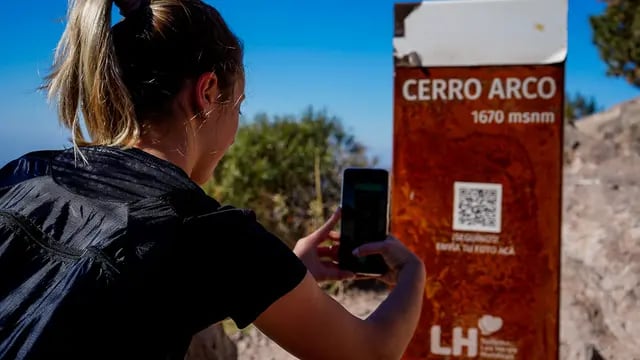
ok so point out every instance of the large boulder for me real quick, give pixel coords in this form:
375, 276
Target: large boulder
600, 297
212, 344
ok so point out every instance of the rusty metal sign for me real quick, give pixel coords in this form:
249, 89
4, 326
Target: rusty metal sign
477, 177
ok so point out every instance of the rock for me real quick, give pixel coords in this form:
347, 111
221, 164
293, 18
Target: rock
593, 354
212, 344
600, 288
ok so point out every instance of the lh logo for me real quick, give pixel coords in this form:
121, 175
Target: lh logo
461, 341
458, 341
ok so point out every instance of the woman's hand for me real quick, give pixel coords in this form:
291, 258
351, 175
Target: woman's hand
321, 260
395, 254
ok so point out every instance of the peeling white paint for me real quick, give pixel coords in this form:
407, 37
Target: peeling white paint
485, 32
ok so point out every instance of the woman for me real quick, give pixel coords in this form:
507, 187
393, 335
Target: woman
159, 94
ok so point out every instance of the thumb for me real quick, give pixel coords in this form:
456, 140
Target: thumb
323, 231
372, 248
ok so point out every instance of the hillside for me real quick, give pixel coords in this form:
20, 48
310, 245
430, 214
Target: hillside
601, 236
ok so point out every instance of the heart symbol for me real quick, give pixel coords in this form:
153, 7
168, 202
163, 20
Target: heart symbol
489, 324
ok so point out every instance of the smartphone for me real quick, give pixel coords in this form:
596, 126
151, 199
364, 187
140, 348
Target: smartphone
365, 218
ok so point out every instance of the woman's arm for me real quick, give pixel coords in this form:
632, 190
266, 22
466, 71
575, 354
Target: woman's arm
311, 325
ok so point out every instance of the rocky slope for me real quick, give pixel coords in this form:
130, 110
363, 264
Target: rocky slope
600, 299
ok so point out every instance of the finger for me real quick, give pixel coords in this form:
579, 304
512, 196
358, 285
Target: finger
388, 279
345, 275
329, 264
323, 231
366, 277
333, 239
328, 251
378, 247
333, 272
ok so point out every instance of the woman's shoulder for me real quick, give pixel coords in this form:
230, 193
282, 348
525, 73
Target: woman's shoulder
203, 211
30, 165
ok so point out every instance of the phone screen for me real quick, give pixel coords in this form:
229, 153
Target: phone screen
365, 198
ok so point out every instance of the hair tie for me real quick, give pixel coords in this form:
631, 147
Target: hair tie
128, 7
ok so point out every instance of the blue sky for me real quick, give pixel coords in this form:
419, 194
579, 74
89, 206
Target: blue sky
333, 54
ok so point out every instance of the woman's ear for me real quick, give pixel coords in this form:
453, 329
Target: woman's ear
207, 91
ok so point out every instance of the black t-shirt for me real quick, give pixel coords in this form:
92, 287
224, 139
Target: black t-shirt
247, 267
219, 262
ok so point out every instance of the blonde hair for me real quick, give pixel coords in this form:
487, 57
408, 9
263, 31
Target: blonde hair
110, 77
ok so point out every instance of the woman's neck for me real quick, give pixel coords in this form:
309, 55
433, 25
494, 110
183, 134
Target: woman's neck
171, 146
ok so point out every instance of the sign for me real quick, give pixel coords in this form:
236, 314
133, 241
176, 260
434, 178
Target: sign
477, 172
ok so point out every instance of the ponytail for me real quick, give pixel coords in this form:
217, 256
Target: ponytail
86, 79
114, 79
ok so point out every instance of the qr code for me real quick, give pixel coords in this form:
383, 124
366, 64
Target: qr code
477, 207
